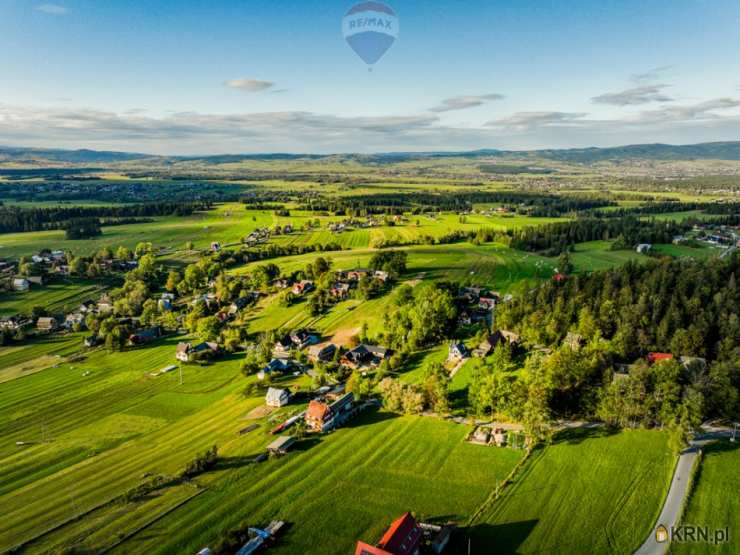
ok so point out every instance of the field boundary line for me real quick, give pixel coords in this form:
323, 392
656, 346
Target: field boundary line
198, 491
498, 491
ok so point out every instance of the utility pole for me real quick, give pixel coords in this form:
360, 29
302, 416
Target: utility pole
180, 365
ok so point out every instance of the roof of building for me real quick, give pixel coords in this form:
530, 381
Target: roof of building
317, 410
402, 537
281, 444
275, 394
654, 357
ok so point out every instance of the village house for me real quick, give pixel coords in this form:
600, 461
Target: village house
166, 301
488, 345
357, 274
487, 303
321, 353
458, 351
105, 305
658, 357
322, 417
303, 338
277, 397
282, 283
381, 275
283, 347
340, 291
240, 304
14, 323
142, 337
275, 365
47, 323
471, 294
403, 537
21, 284
74, 319
187, 352
364, 356
643, 248
303, 286
574, 341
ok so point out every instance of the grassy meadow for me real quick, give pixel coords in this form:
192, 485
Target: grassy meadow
590, 492
709, 503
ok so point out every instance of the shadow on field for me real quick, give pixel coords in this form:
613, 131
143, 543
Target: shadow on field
574, 436
492, 538
458, 398
370, 416
306, 443
224, 463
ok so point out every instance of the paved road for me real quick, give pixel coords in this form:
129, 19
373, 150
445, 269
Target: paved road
677, 493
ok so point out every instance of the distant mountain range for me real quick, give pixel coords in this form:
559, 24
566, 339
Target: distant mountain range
702, 151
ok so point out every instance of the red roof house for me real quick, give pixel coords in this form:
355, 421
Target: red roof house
402, 538
657, 357
317, 414
559, 278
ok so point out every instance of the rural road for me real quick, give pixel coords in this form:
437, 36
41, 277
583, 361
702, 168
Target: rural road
677, 493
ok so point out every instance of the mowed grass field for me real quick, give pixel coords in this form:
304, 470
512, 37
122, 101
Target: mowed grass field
491, 264
61, 296
714, 501
343, 487
228, 223
96, 428
588, 493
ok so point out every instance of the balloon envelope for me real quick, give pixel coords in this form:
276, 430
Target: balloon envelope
370, 28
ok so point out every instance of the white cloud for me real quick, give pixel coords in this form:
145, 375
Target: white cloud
463, 102
301, 131
631, 97
529, 120
249, 84
650, 75
52, 9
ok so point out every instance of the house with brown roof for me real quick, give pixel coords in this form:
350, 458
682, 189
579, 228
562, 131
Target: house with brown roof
403, 537
322, 417
365, 356
303, 286
187, 352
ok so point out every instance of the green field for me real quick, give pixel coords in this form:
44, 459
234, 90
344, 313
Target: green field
61, 296
596, 255
491, 264
228, 223
589, 492
95, 428
712, 502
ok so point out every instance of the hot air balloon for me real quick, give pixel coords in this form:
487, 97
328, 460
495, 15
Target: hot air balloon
370, 28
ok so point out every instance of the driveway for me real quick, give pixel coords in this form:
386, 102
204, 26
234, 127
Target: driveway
678, 491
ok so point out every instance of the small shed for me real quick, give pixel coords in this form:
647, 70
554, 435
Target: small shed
281, 445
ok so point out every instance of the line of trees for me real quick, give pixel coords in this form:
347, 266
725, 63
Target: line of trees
19, 219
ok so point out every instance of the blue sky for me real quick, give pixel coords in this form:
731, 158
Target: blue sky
191, 77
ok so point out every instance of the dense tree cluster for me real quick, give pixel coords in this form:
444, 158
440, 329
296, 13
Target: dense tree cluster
552, 239
16, 218
146, 191
420, 316
82, 228
420, 202
685, 308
